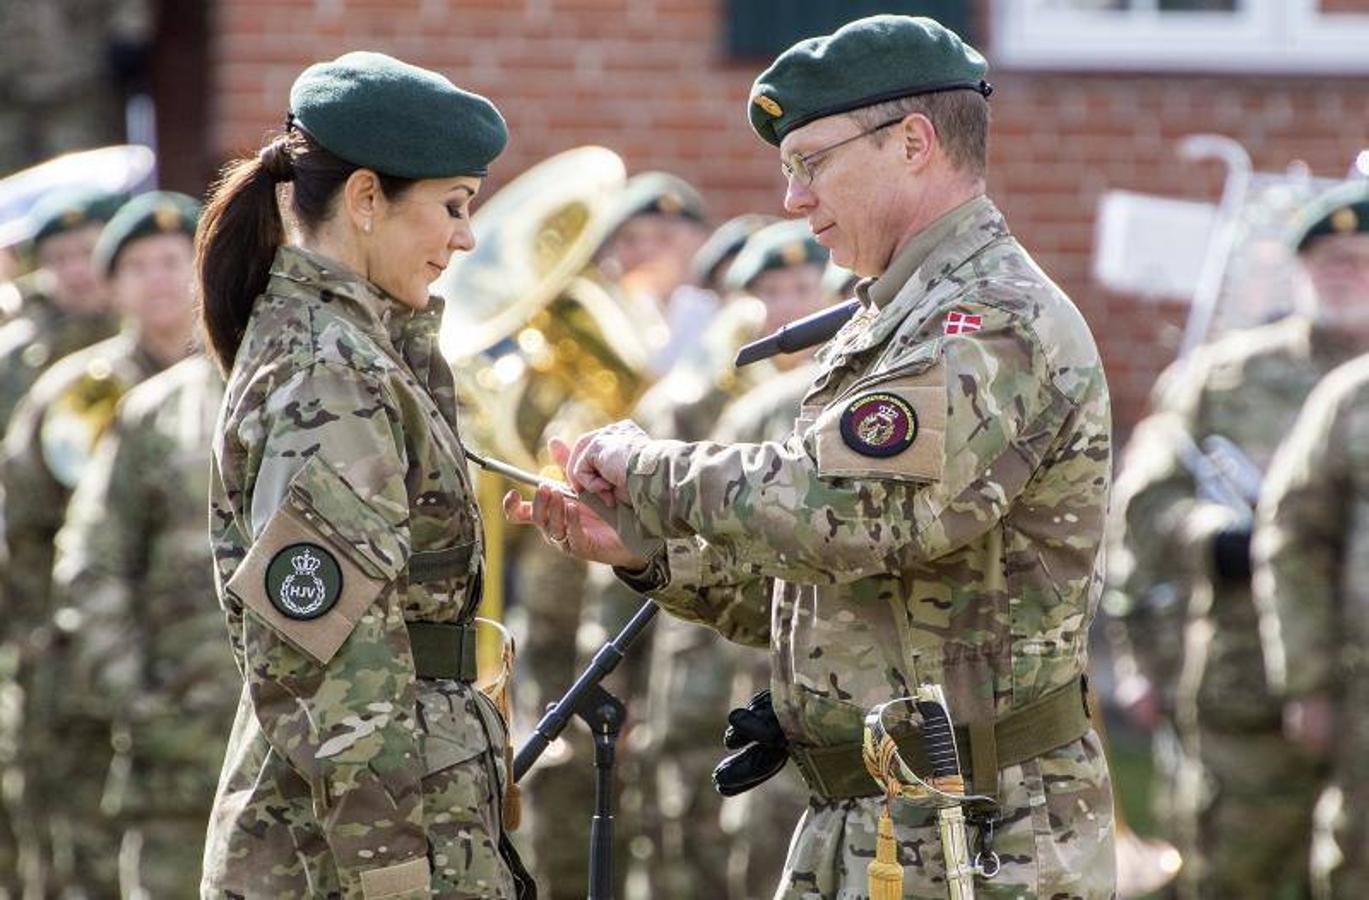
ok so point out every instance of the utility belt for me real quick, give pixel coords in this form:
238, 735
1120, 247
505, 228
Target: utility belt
444, 649
837, 772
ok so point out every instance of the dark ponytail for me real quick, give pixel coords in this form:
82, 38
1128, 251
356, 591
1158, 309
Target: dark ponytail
240, 231
241, 228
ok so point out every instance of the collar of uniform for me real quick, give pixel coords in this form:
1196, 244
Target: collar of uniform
376, 309
913, 254
952, 239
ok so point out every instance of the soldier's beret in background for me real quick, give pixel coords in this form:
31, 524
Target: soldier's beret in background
868, 61
652, 193
153, 213
1344, 209
71, 208
396, 119
777, 246
723, 245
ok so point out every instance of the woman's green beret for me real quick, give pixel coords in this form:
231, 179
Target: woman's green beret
868, 61
146, 215
396, 119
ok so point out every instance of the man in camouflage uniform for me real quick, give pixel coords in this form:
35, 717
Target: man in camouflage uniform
63, 305
692, 679
133, 572
937, 514
146, 251
1236, 766
1310, 562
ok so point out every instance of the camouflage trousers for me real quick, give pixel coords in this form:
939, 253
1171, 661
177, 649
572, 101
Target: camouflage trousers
1245, 817
1054, 838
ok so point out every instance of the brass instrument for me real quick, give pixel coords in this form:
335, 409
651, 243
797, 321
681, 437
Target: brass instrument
77, 418
538, 341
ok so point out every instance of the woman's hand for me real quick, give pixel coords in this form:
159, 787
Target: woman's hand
568, 524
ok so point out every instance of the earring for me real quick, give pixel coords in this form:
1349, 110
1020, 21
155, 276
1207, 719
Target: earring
366, 226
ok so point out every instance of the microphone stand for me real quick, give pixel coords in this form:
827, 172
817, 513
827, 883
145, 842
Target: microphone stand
604, 714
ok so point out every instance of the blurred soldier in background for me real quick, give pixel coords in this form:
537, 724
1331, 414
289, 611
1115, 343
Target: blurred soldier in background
1312, 568
146, 252
148, 657
654, 229
1190, 479
63, 305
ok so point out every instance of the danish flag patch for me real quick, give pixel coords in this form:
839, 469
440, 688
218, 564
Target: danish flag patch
961, 323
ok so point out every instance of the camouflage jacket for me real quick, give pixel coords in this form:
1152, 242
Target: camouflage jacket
48, 443
936, 515
337, 447
1311, 561
1248, 389
133, 566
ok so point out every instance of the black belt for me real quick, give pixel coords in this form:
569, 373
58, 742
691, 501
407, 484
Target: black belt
443, 650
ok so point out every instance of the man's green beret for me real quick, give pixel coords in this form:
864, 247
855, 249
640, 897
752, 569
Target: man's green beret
1344, 209
396, 119
724, 244
71, 208
156, 212
777, 246
868, 61
652, 193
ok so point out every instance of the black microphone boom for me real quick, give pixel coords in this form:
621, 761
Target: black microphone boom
799, 334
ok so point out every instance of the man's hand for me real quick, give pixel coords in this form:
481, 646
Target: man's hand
598, 462
569, 525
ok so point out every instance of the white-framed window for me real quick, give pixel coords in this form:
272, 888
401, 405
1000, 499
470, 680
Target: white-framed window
1294, 36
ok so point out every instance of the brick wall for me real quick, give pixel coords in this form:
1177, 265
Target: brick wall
648, 78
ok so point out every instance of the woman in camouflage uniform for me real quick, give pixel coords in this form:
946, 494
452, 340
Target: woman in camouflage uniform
347, 542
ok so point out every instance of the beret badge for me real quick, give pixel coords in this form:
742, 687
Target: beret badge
167, 217
768, 104
1344, 221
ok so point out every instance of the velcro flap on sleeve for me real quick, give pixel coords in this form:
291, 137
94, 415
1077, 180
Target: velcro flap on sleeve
891, 429
313, 579
400, 882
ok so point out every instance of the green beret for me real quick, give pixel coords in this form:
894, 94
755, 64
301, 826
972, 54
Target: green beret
70, 208
1344, 209
777, 246
396, 119
723, 244
868, 61
153, 213
653, 193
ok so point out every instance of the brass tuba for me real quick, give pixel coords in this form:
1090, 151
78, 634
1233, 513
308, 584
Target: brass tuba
77, 418
538, 341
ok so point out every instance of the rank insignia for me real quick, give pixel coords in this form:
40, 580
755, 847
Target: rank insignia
768, 104
879, 425
303, 581
961, 323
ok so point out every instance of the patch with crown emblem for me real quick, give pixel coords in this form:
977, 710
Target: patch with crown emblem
303, 581
879, 424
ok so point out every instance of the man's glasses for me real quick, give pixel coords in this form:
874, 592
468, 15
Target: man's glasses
801, 167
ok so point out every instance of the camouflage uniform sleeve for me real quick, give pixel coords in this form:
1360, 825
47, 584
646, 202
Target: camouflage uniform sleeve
345, 720
708, 584
101, 552
33, 507
1298, 550
776, 506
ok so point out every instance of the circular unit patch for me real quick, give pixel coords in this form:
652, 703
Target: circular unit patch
303, 581
879, 425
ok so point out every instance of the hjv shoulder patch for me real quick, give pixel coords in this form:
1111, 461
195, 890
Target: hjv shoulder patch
303, 581
879, 424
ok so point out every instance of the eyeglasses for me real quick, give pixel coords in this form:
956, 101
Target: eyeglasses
801, 167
